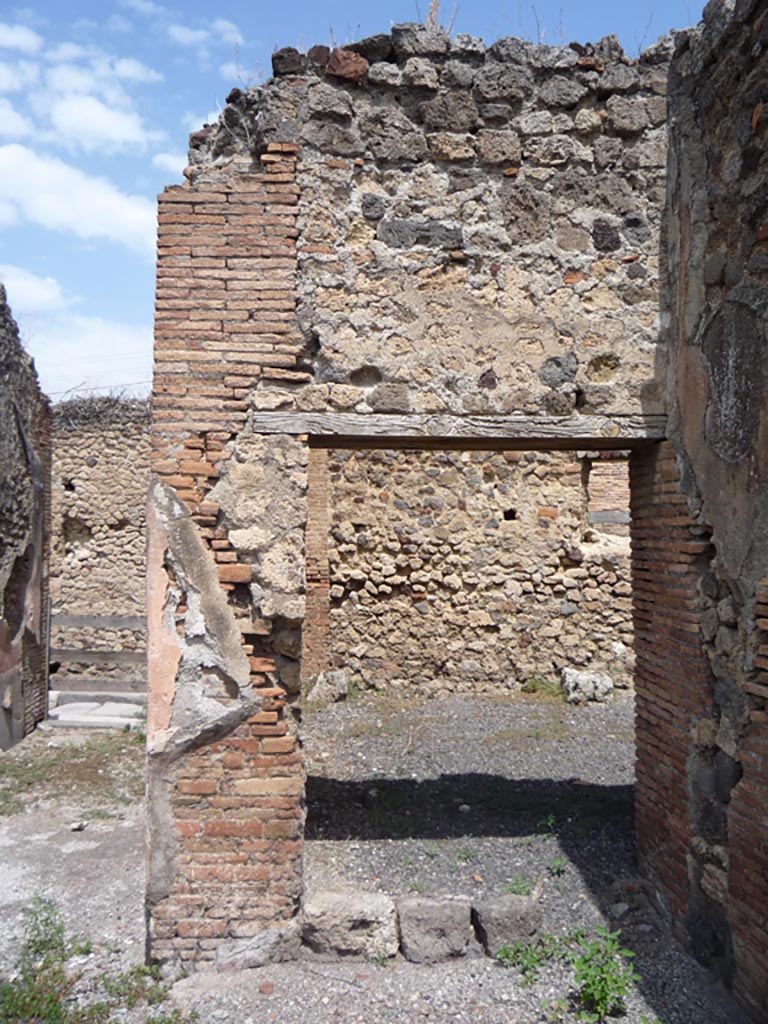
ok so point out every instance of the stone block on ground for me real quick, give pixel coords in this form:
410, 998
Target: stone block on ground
328, 687
505, 919
268, 946
360, 925
433, 930
580, 687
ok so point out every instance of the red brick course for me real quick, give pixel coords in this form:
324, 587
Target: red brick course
672, 676
225, 319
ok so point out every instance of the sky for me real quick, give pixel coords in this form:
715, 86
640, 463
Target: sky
97, 100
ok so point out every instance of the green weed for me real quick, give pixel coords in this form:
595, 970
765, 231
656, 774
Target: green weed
603, 976
42, 991
558, 865
135, 987
107, 768
44, 987
517, 886
548, 689
174, 1017
530, 957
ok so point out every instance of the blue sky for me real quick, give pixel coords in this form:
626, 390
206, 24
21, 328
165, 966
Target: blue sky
97, 100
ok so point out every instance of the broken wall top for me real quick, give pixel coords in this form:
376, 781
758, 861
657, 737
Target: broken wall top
478, 227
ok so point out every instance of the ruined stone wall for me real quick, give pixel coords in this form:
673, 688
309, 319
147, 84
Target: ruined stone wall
479, 225
341, 270
100, 479
24, 537
718, 400
474, 571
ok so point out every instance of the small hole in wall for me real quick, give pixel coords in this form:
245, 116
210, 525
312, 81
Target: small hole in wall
510, 514
69, 485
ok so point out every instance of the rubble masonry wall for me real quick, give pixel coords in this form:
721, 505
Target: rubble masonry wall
718, 417
476, 571
100, 480
24, 537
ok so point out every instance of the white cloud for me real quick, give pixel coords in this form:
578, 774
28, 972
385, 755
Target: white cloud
193, 122
17, 76
144, 6
12, 124
70, 51
65, 78
19, 37
174, 163
231, 71
53, 194
88, 122
30, 294
9, 215
134, 71
220, 32
185, 36
227, 32
117, 23
74, 352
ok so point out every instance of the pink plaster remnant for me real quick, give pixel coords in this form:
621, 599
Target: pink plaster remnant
164, 649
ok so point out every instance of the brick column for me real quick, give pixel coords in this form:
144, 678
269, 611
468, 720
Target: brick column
228, 839
672, 675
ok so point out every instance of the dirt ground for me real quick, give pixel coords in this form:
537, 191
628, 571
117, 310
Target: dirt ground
451, 796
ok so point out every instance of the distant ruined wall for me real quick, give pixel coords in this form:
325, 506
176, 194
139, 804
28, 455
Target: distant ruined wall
475, 571
24, 537
100, 481
413, 242
718, 406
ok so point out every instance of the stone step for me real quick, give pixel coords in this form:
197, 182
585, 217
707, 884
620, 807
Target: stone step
74, 685
96, 714
60, 697
97, 722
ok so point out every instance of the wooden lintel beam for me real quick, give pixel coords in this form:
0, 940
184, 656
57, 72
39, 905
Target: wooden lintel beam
512, 432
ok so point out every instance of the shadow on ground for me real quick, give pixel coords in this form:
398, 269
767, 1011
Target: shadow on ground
463, 805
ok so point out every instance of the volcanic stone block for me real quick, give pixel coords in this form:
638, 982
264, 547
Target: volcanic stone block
505, 919
433, 930
361, 925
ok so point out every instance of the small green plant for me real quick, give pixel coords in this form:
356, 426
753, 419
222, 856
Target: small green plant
555, 1011
530, 957
135, 987
517, 886
42, 989
604, 979
558, 865
431, 849
644, 1019
174, 1017
549, 689
381, 958
465, 855
546, 826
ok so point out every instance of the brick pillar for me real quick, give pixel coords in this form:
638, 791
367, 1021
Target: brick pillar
227, 816
670, 552
315, 638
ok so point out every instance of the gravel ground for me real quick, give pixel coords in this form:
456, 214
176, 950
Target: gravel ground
470, 796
